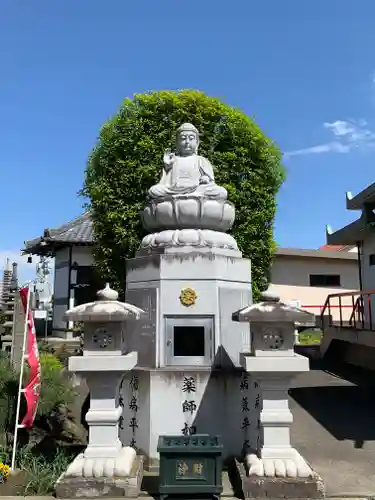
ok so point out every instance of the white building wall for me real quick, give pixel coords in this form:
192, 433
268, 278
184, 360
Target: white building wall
296, 271
290, 277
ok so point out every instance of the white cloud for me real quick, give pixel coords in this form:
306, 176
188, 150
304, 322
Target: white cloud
348, 135
336, 147
340, 128
26, 271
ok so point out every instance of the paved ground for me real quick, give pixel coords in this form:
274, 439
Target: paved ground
334, 427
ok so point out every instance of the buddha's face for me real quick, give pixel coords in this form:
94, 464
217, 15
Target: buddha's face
187, 143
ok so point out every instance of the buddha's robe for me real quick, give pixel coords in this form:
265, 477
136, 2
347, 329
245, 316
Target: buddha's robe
184, 176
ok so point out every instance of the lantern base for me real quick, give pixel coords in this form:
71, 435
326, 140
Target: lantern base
283, 487
291, 465
279, 366
111, 477
281, 478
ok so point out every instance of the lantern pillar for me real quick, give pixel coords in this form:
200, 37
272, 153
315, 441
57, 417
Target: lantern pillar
106, 467
276, 468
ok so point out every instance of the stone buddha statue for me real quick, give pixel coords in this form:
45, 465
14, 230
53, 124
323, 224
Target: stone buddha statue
185, 172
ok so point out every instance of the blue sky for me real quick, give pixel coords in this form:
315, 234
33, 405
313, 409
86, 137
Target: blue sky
304, 70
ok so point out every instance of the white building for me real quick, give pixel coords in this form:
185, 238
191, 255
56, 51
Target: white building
361, 232
355, 340
74, 280
304, 277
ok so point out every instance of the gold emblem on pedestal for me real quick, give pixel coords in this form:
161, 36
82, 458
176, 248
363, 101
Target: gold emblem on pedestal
188, 297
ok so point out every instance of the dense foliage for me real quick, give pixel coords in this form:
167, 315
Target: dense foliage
45, 450
56, 391
128, 159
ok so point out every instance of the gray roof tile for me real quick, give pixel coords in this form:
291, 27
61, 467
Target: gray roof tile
78, 231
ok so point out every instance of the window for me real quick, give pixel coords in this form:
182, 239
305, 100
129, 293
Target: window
328, 280
84, 275
371, 259
189, 341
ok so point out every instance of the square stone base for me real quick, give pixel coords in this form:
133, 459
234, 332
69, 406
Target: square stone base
283, 487
90, 487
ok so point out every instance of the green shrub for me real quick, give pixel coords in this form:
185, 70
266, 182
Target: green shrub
62, 352
56, 390
8, 398
41, 463
128, 159
40, 472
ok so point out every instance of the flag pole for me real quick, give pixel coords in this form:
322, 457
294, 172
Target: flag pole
25, 332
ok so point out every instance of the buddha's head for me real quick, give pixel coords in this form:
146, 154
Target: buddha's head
187, 140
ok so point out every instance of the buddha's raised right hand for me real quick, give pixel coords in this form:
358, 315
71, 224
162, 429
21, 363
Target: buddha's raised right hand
168, 158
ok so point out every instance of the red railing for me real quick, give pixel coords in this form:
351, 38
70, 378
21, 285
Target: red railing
362, 315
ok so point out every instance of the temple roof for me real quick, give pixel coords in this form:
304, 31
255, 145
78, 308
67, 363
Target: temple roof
349, 234
366, 196
79, 231
357, 230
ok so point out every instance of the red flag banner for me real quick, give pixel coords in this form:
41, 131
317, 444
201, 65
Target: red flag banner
32, 387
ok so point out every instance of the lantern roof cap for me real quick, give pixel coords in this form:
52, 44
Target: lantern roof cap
271, 309
106, 308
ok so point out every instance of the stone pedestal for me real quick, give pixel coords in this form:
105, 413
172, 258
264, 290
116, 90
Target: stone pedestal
188, 283
106, 468
194, 289
189, 401
277, 469
188, 220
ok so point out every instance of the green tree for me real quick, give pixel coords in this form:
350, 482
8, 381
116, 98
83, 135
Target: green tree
127, 160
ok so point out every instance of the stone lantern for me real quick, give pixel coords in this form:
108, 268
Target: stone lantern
105, 466
273, 363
